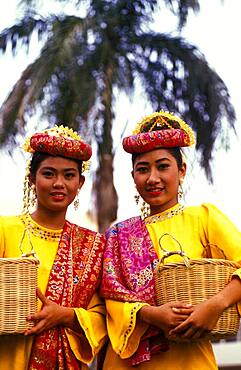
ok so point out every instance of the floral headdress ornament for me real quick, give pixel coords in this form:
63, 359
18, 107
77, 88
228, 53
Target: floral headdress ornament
160, 129
59, 140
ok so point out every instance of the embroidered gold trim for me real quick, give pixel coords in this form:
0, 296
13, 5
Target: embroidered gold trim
132, 322
164, 216
36, 230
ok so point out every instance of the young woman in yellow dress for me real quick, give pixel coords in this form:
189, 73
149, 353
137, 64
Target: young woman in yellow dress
69, 327
142, 334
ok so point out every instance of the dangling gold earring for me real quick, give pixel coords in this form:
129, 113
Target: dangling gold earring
145, 210
180, 189
137, 198
26, 189
76, 202
33, 195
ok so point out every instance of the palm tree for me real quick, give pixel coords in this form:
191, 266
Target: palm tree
85, 59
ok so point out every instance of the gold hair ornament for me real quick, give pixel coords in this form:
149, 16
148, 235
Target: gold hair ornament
27, 189
162, 119
61, 132
58, 131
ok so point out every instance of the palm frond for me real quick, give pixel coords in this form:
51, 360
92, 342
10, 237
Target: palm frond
181, 9
22, 32
30, 88
178, 78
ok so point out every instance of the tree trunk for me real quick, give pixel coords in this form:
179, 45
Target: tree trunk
105, 192
106, 196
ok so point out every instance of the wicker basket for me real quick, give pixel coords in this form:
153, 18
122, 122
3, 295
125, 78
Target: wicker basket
195, 280
18, 283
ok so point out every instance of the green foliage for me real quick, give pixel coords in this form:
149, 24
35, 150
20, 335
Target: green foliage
85, 59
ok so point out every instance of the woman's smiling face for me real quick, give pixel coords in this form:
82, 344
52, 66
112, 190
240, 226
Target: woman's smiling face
57, 182
157, 176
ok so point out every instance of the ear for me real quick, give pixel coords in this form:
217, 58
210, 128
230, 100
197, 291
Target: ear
182, 171
32, 180
81, 181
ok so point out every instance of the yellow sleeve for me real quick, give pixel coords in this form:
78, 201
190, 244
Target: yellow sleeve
1, 238
124, 330
223, 236
222, 233
92, 321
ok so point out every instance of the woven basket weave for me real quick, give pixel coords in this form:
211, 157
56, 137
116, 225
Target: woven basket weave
18, 283
195, 280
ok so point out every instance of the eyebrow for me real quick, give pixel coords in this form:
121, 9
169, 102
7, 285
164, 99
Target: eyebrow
54, 169
157, 161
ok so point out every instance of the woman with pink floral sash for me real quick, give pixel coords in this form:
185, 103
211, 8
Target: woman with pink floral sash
143, 335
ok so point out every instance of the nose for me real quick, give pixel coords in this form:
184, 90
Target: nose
154, 177
58, 182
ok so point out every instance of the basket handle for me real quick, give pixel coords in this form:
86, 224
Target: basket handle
208, 251
167, 253
32, 252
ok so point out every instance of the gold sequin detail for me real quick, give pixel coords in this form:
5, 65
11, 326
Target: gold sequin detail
164, 216
39, 231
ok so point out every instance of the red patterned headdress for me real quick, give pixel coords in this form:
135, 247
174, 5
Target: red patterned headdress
159, 130
59, 140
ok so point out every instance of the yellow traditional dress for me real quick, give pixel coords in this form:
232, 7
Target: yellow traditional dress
15, 350
130, 254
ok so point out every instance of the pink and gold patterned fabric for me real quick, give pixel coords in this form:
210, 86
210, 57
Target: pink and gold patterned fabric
129, 262
159, 130
147, 141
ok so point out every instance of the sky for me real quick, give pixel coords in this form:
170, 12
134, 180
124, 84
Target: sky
215, 31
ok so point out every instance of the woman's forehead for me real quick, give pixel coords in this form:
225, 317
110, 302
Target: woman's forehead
58, 162
154, 155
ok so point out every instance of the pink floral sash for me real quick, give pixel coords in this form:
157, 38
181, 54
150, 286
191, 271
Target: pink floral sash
74, 278
129, 261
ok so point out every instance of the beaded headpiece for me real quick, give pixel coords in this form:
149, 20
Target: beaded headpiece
59, 141
160, 129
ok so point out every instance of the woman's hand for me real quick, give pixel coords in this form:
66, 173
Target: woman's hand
50, 315
164, 316
201, 321
206, 314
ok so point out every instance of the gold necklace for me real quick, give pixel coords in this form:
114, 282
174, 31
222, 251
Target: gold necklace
38, 231
164, 216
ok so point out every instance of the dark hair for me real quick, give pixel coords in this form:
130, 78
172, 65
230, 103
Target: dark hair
175, 152
39, 157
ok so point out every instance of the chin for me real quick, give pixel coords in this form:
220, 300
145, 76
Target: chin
57, 207
155, 204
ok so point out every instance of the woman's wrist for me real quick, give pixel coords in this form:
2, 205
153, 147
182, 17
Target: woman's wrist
68, 318
230, 295
144, 314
